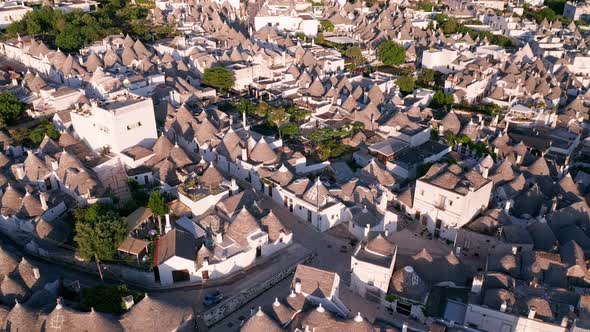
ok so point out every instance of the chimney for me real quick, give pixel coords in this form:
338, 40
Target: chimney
532, 312
367, 229
219, 238
514, 250
485, 172
477, 283
128, 301
405, 327
564, 321
518, 159
244, 154
358, 318
168, 226
386, 233
457, 251
504, 306
507, 206
298, 287
244, 124
20, 171
43, 199
276, 303
54, 164
36, 273
554, 204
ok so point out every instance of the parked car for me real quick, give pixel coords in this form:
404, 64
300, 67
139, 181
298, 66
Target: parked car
212, 298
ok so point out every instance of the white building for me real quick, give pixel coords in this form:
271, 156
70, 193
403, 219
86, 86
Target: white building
117, 125
319, 287
86, 6
10, 13
372, 266
440, 60
578, 10
290, 17
447, 197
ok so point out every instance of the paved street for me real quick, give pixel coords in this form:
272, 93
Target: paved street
194, 295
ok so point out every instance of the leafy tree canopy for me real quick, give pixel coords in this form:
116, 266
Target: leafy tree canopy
100, 236
406, 84
450, 26
289, 130
76, 29
391, 53
441, 100
219, 78
326, 26
426, 77
277, 116
157, 203
44, 128
356, 55
107, 298
10, 108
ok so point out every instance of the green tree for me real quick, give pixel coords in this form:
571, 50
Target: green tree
326, 26
355, 54
391, 53
101, 237
44, 128
555, 5
107, 298
262, 110
157, 203
219, 78
10, 108
20, 135
246, 106
426, 77
450, 26
289, 130
406, 84
297, 114
70, 39
441, 100
277, 117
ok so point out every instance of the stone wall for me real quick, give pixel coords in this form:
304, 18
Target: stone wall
227, 307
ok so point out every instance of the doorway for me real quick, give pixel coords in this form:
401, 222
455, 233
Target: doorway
258, 251
437, 228
180, 275
403, 308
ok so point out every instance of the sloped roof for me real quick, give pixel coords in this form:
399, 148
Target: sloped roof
175, 243
314, 281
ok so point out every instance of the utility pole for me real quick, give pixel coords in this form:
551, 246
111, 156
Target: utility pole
98, 266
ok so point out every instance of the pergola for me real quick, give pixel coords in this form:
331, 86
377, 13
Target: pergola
137, 218
133, 246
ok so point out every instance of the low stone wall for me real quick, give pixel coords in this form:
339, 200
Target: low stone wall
227, 307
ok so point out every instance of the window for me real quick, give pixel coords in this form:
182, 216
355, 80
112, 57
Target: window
133, 125
450, 203
421, 192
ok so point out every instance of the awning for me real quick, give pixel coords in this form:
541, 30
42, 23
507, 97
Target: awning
133, 246
137, 217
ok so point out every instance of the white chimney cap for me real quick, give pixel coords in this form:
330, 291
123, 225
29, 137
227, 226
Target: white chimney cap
358, 318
